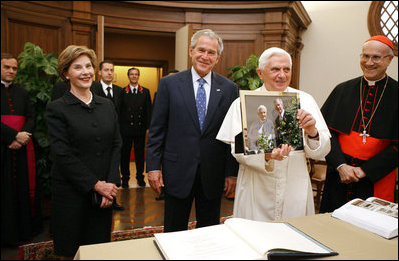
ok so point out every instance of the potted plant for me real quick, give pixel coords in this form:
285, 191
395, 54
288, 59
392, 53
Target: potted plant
37, 73
245, 76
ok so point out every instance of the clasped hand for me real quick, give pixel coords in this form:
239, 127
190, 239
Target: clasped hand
349, 174
22, 138
108, 191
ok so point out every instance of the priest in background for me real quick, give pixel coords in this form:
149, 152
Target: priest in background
362, 115
20, 204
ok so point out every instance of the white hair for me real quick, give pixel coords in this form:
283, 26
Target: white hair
211, 34
264, 58
261, 107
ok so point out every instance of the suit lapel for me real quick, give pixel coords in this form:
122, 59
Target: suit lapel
187, 90
215, 96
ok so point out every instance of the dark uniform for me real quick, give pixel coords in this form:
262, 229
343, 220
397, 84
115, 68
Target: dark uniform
134, 120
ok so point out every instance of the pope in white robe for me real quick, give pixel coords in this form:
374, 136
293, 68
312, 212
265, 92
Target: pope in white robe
275, 189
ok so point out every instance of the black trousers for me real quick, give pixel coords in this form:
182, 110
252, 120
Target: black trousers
138, 141
177, 211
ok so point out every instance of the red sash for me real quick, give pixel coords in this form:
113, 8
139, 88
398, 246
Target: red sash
353, 145
17, 122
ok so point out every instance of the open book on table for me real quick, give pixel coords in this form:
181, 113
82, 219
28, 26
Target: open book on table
374, 214
239, 239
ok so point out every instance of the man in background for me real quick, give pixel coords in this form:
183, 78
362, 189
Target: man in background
105, 88
135, 117
362, 115
20, 207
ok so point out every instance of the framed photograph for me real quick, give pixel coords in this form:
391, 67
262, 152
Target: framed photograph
269, 119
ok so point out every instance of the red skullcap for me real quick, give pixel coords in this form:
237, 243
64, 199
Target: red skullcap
382, 39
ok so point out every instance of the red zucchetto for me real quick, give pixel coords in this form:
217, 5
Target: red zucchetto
382, 39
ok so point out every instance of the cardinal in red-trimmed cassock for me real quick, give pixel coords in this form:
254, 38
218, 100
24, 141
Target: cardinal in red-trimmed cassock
362, 115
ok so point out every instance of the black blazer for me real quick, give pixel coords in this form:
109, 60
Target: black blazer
176, 144
118, 92
135, 112
85, 142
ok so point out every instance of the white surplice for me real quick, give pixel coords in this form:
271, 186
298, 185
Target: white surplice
275, 189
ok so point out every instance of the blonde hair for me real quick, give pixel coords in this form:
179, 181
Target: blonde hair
69, 54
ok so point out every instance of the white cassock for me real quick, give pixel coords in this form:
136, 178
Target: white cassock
277, 189
257, 129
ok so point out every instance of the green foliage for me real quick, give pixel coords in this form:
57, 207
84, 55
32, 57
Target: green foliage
289, 131
265, 142
37, 73
245, 76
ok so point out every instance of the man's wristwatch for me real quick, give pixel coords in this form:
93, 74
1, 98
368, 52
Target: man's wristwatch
313, 137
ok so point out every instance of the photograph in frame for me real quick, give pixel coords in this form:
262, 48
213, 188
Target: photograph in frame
269, 119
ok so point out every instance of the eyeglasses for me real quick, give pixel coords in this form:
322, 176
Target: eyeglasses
374, 58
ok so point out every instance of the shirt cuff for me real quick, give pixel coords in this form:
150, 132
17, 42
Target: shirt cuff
340, 165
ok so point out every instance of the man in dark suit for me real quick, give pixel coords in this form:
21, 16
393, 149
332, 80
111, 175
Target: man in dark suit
106, 89
282, 117
134, 120
182, 151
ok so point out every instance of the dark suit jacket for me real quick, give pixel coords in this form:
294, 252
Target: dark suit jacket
135, 113
176, 144
118, 92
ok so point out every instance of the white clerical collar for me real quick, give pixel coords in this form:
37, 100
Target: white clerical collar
372, 83
6, 84
195, 76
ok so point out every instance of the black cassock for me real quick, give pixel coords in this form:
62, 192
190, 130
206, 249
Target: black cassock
20, 211
378, 156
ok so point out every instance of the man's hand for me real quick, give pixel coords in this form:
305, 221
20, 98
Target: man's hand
348, 174
23, 137
15, 145
155, 180
230, 185
307, 122
280, 153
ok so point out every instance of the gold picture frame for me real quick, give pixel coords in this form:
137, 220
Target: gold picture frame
262, 133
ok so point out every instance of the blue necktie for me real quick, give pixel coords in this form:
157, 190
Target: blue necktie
200, 101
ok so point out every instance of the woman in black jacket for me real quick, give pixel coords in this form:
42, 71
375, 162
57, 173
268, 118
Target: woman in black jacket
85, 142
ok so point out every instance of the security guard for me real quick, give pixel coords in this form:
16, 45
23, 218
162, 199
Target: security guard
134, 121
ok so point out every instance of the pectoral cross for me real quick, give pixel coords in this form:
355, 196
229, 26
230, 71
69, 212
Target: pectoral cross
364, 135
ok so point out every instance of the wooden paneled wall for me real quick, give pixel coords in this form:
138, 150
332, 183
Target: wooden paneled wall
144, 31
